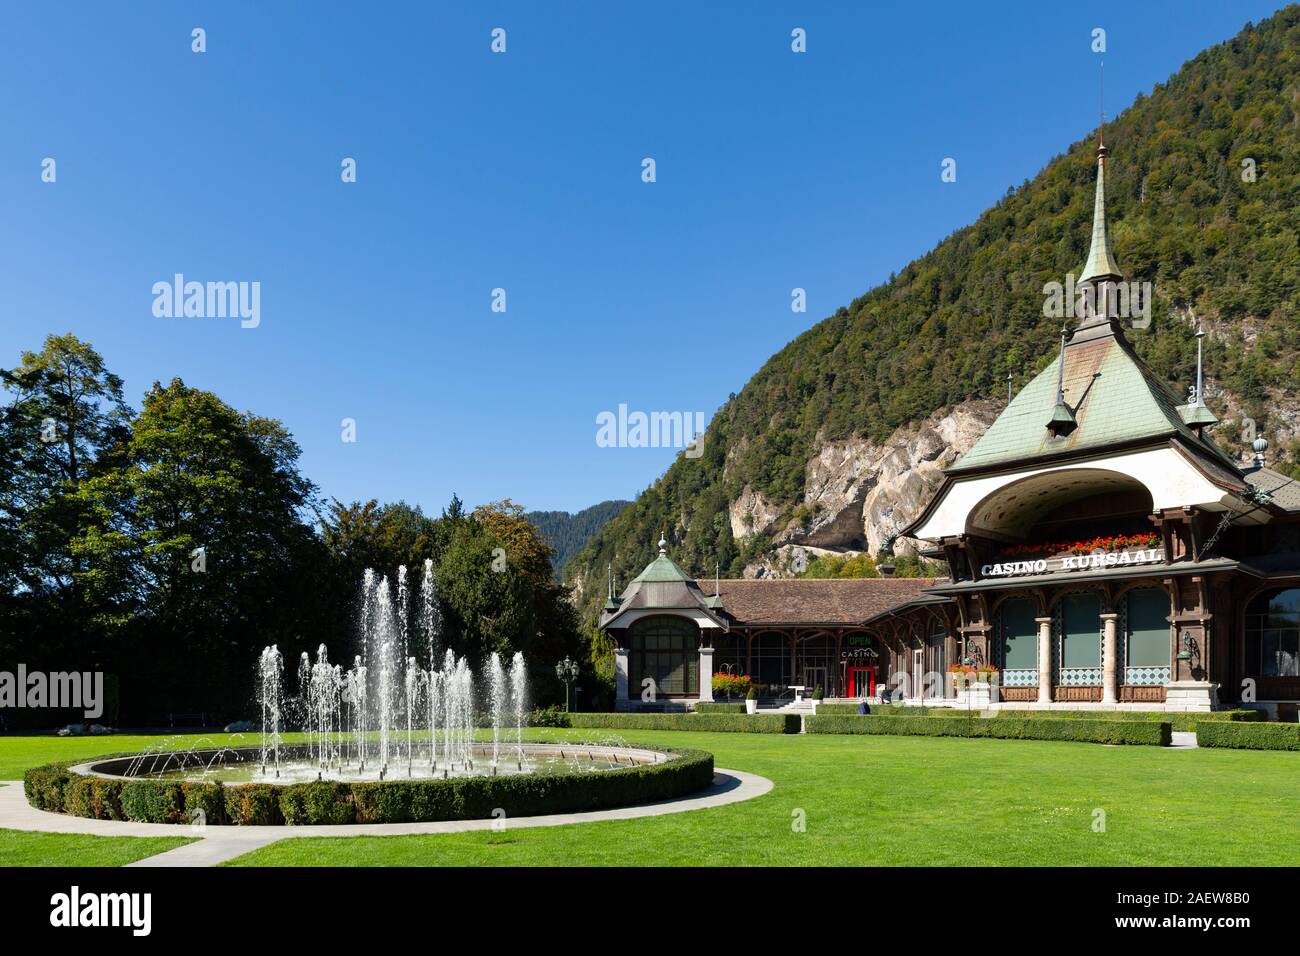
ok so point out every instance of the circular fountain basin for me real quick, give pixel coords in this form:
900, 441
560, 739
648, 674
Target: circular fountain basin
229, 765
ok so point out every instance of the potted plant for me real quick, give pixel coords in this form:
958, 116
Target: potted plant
751, 701
730, 685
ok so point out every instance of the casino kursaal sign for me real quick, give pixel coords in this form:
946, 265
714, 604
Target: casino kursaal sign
1095, 561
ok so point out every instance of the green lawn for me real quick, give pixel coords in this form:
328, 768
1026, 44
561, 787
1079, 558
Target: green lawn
18, 754
75, 849
880, 801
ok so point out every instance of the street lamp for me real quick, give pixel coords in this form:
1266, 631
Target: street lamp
567, 671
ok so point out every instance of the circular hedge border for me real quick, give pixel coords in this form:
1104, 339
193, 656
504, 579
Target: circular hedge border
60, 789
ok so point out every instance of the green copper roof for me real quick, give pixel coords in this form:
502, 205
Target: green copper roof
662, 568
1198, 415
1101, 261
1114, 397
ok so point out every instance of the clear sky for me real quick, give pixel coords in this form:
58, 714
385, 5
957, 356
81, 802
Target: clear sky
520, 171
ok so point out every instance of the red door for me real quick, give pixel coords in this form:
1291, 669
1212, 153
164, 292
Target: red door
862, 681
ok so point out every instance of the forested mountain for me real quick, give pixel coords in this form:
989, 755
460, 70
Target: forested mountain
569, 533
1203, 186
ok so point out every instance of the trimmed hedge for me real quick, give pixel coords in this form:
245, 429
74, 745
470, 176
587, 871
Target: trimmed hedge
1151, 733
720, 707
154, 801
883, 710
57, 789
713, 723
1249, 736
1179, 721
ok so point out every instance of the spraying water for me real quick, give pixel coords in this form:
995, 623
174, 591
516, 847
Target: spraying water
271, 687
519, 703
496, 702
357, 716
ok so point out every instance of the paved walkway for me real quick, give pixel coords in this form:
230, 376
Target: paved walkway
217, 844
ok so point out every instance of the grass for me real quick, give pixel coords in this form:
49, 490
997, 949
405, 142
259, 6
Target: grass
876, 801
75, 849
20, 753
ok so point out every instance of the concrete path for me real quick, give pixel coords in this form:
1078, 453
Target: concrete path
217, 844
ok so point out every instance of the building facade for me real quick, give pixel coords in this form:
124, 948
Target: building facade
1103, 552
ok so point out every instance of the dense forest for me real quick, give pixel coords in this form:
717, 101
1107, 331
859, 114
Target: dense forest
567, 534
166, 547
1203, 188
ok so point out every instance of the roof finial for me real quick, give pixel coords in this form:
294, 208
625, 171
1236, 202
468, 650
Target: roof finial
1195, 413
1200, 374
1101, 262
663, 546
1062, 421
717, 570
1101, 129
610, 574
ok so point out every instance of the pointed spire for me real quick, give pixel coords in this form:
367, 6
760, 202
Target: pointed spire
1062, 421
1195, 413
717, 571
1101, 262
663, 546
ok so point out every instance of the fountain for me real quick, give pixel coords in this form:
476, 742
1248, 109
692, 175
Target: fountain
422, 718
359, 726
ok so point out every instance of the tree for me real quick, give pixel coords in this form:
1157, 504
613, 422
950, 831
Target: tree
66, 414
198, 536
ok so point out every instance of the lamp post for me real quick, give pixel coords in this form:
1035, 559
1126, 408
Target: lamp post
567, 671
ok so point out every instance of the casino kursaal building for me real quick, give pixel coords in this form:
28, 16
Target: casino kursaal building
1103, 553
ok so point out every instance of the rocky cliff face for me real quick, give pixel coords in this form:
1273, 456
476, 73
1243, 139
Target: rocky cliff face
857, 492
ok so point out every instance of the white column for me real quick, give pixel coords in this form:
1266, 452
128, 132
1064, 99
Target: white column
706, 673
620, 678
1044, 659
1109, 660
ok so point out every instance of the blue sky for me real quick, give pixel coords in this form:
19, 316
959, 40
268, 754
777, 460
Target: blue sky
521, 171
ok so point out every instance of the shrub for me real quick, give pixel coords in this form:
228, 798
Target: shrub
44, 786
328, 802
106, 799
79, 798
391, 801
719, 707
1249, 736
253, 804
715, 723
1089, 731
154, 801
885, 709
207, 798
548, 717
1179, 721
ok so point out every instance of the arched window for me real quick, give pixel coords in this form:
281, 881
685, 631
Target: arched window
1018, 642
1146, 637
666, 650
1080, 639
1273, 633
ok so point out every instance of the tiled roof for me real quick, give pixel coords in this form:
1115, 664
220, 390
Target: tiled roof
1284, 491
1115, 398
816, 600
